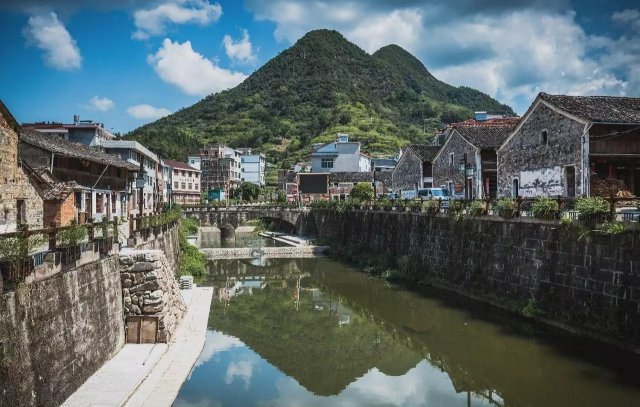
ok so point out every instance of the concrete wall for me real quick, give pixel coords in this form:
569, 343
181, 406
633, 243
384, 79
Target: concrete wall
538, 167
55, 333
589, 285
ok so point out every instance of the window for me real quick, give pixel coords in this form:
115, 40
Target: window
175, 185
183, 185
175, 173
21, 212
196, 186
326, 163
451, 159
544, 138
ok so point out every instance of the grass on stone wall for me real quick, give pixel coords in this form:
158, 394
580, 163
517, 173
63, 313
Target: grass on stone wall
190, 261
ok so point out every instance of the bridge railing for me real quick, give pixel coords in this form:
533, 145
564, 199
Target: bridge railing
238, 208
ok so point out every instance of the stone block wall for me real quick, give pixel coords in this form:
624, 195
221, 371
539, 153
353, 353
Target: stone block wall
445, 172
168, 242
149, 288
588, 285
56, 333
538, 167
408, 172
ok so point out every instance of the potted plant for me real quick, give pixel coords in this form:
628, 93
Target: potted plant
432, 207
545, 208
506, 208
476, 208
592, 210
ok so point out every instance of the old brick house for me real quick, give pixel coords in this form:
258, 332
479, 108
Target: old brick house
101, 180
565, 145
415, 168
467, 162
20, 202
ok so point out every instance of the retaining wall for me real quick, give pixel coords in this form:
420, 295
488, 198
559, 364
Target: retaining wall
587, 284
55, 333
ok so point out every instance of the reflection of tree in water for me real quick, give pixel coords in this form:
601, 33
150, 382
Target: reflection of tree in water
311, 344
508, 365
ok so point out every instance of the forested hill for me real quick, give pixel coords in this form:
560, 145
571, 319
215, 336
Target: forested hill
320, 86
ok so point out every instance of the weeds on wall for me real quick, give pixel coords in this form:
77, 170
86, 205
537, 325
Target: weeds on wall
190, 261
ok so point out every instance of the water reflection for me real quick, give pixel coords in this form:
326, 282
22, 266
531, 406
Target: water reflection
312, 332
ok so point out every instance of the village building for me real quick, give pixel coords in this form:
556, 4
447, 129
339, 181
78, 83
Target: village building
221, 170
569, 145
99, 181
340, 156
252, 166
414, 170
341, 183
85, 132
20, 203
382, 164
135, 153
184, 182
466, 164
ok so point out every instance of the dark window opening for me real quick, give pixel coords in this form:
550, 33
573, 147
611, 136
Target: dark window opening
544, 137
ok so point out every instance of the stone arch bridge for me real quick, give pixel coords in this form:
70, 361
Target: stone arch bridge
292, 220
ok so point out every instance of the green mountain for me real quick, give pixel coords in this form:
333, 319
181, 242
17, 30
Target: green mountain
320, 86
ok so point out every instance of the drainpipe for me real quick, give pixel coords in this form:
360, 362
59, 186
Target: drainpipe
586, 168
51, 166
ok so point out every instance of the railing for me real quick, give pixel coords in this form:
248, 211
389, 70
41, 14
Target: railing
22, 251
522, 207
239, 208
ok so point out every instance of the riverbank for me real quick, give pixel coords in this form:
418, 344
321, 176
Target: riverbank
150, 375
270, 252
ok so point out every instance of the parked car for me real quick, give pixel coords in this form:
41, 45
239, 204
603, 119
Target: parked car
435, 193
408, 194
390, 195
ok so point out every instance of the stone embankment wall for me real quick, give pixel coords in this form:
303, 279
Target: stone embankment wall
55, 333
271, 252
168, 242
589, 285
149, 287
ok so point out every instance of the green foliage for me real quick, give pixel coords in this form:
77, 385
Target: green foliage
14, 251
362, 191
476, 208
248, 191
545, 208
431, 206
192, 262
505, 207
612, 228
72, 235
319, 87
591, 206
455, 208
532, 309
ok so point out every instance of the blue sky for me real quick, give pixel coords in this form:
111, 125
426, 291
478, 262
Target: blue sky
126, 63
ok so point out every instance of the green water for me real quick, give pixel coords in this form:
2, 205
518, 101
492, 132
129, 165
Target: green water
315, 332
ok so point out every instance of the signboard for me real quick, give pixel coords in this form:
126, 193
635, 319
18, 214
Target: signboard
215, 195
458, 187
313, 183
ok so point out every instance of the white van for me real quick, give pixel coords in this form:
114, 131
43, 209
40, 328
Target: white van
435, 193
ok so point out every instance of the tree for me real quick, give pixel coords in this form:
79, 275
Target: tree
363, 191
248, 191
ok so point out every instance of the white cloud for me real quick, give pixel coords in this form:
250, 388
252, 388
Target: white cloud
240, 51
101, 104
46, 32
217, 342
154, 21
147, 112
628, 16
242, 370
179, 65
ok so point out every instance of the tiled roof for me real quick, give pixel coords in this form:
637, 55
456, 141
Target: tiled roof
179, 165
424, 152
495, 122
351, 177
598, 109
60, 146
485, 137
384, 177
48, 187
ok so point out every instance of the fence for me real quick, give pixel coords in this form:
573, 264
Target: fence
23, 251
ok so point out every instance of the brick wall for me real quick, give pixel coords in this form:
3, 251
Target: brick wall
62, 212
590, 285
540, 167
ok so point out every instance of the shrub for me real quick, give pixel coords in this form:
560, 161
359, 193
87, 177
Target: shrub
455, 208
431, 206
532, 310
591, 206
72, 235
545, 208
362, 191
612, 228
506, 207
192, 262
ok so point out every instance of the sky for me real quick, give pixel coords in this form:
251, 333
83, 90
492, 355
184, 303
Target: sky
129, 62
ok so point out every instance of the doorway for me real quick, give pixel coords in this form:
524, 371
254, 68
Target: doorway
570, 181
515, 189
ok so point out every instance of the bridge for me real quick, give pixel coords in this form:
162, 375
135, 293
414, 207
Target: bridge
291, 220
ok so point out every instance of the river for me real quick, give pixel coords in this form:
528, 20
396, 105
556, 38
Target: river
316, 332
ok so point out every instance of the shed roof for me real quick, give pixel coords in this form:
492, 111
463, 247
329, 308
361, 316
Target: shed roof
60, 146
598, 109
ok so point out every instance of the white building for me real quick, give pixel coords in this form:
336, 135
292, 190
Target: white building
340, 156
185, 183
252, 167
134, 152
